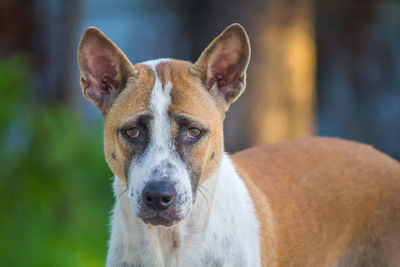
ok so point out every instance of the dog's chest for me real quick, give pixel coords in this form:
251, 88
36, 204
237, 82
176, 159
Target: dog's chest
220, 246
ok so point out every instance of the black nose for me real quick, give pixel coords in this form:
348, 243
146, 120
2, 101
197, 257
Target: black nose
159, 195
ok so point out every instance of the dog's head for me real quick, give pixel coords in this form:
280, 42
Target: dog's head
164, 118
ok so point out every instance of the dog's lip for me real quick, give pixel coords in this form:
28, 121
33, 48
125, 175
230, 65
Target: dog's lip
159, 220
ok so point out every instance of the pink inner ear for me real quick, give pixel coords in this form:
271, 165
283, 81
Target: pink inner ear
224, 72
101, 75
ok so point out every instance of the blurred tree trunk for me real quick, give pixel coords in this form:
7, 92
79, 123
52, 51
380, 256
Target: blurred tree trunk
16, 26
358, 45
56, 23
44, 31
282, 74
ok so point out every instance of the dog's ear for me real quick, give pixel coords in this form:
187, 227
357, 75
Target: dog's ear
104, 68
223, 64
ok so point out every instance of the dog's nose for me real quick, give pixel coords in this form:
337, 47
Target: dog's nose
159, 195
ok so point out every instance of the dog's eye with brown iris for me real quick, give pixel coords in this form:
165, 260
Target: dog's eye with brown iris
193, 132
132, 132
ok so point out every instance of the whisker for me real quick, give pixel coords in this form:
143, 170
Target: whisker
205, 189
202, 194
126, 190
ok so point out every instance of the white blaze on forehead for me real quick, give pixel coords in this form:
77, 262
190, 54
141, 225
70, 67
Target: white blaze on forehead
159, 103
154, 62
160, 148
160, 100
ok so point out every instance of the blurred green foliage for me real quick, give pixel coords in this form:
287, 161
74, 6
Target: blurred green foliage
55, 187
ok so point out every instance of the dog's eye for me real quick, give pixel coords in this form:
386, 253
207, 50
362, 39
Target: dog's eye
132, 132
193, 132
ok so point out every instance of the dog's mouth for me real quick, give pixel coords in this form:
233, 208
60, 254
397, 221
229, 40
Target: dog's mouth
159, 220
158, 215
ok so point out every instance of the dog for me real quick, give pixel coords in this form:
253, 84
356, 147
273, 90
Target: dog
182, 201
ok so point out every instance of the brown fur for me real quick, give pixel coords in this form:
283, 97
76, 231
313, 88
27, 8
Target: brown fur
323, 201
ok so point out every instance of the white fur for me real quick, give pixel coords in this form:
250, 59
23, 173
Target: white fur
159, 149
220, 231
154, 62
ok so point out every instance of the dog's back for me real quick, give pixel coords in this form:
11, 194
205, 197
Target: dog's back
328, 201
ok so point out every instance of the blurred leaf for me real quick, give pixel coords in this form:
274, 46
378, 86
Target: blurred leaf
55, 190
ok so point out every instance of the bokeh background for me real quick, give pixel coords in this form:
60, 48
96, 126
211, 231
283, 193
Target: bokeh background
318, 67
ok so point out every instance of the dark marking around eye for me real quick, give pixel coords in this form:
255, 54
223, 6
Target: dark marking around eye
185, 147
212, 155
113, 156
126, 169
142, 125
145, 120
183, 122
135, 146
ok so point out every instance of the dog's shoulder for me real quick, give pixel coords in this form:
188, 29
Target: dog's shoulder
304, 183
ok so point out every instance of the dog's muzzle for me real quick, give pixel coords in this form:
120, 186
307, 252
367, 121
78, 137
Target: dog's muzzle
160, 191
159, 203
